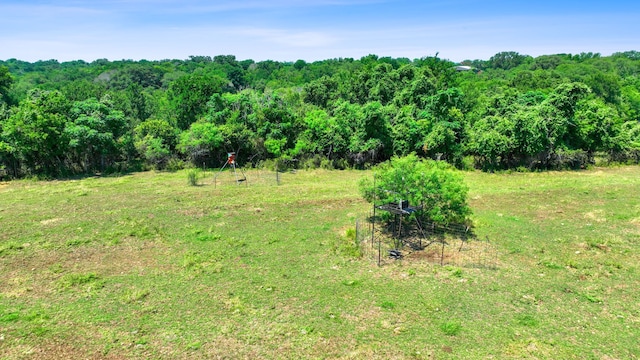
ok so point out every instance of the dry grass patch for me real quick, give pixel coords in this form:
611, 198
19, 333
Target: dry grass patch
129, 256
597, 216
34, 274
50, 221
56, 350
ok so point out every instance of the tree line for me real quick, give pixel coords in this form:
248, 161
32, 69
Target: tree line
510, 111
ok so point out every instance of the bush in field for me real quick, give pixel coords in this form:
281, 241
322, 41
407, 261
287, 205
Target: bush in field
434, 184
192, 177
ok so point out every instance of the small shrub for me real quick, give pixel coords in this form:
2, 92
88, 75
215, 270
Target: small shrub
192, 177
9, 247
10, 317
312, 162
436, 185
451, 328
527, 320
592, 299
175, 164
388, 305
569, 160
194, 345
208, 237
73, 280
347, 246
136, 295
350, 282
351, 234
457, 273
341, 164
326, 164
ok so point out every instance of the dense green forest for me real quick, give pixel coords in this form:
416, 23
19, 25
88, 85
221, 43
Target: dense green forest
511, 111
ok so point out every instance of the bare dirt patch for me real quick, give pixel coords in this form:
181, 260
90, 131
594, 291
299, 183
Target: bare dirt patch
34, 275
58, 351
130, 256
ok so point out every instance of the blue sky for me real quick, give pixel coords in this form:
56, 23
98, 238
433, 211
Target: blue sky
287, 30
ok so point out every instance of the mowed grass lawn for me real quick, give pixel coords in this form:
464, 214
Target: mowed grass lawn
144, 266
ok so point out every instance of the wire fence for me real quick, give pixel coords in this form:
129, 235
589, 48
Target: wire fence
388, 240
243, 177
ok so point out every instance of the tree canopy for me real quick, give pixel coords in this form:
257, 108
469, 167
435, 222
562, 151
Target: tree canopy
512, 110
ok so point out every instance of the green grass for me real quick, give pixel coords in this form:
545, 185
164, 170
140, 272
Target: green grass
147, 266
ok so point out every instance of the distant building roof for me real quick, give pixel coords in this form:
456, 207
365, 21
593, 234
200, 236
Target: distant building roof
463, 68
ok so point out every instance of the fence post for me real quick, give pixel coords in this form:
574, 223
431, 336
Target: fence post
373, 226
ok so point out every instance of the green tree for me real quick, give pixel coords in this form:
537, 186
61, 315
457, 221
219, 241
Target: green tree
492, 140
319, 92
83, 89
606, 86
94, 130
417, 91
160, 129
370, 140
200, 141
383, 83
154, 151
155, 140
5, 83
446, 134
629, 136
558, 114
434, 185
34, 133
406, 131
598, 127
189, 95
507, 60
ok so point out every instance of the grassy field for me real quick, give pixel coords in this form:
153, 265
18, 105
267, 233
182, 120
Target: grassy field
144, 266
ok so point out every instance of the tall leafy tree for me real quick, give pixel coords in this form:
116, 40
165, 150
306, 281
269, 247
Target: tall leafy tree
200, 141
507, 60
189, 94
155, 140
34, 132
320, 92
492, 140
446, 133
598, 127
5, 83
94, 132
